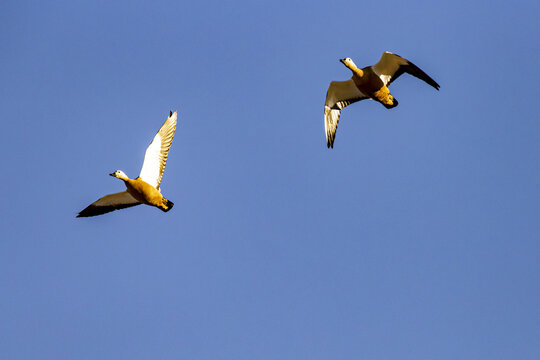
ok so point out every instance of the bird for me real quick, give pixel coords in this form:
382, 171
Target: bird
370, 82
145, 189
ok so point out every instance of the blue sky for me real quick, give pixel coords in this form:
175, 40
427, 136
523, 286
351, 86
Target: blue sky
416, 237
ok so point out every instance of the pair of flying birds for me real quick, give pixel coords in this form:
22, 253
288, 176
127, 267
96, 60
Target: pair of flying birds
370, 82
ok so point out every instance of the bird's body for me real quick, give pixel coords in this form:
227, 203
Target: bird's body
145, 193
372, 85
370, 82
145, 189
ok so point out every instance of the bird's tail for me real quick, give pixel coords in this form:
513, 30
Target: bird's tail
166, 205
384, 97
392, 105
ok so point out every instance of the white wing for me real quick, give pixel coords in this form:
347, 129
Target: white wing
109, 203
391, 66
155, 157
340, 94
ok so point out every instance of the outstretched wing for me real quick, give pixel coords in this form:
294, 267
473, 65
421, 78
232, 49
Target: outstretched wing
340, 94
109, 203
155, 157
391, 66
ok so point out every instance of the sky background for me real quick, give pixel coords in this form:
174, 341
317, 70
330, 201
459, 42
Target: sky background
416, 237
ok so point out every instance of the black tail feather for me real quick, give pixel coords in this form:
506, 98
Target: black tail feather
395, 103
166, 205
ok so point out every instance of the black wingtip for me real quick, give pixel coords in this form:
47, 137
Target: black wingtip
84, 213
433, 83
170, 113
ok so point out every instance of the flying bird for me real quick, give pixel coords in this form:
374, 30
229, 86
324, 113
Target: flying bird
145, 188
370, 82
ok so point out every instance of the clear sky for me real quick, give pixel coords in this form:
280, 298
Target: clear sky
416, 237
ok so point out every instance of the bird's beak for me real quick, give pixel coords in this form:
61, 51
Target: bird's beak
111, 174
342, 61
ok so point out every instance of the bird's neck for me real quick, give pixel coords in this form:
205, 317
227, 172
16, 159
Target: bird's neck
357, 71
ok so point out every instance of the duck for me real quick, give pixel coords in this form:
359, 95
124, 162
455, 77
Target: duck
145, 189
370, 82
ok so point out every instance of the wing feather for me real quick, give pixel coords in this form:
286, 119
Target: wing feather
340, 94
392, 66
155, 157
109, 203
